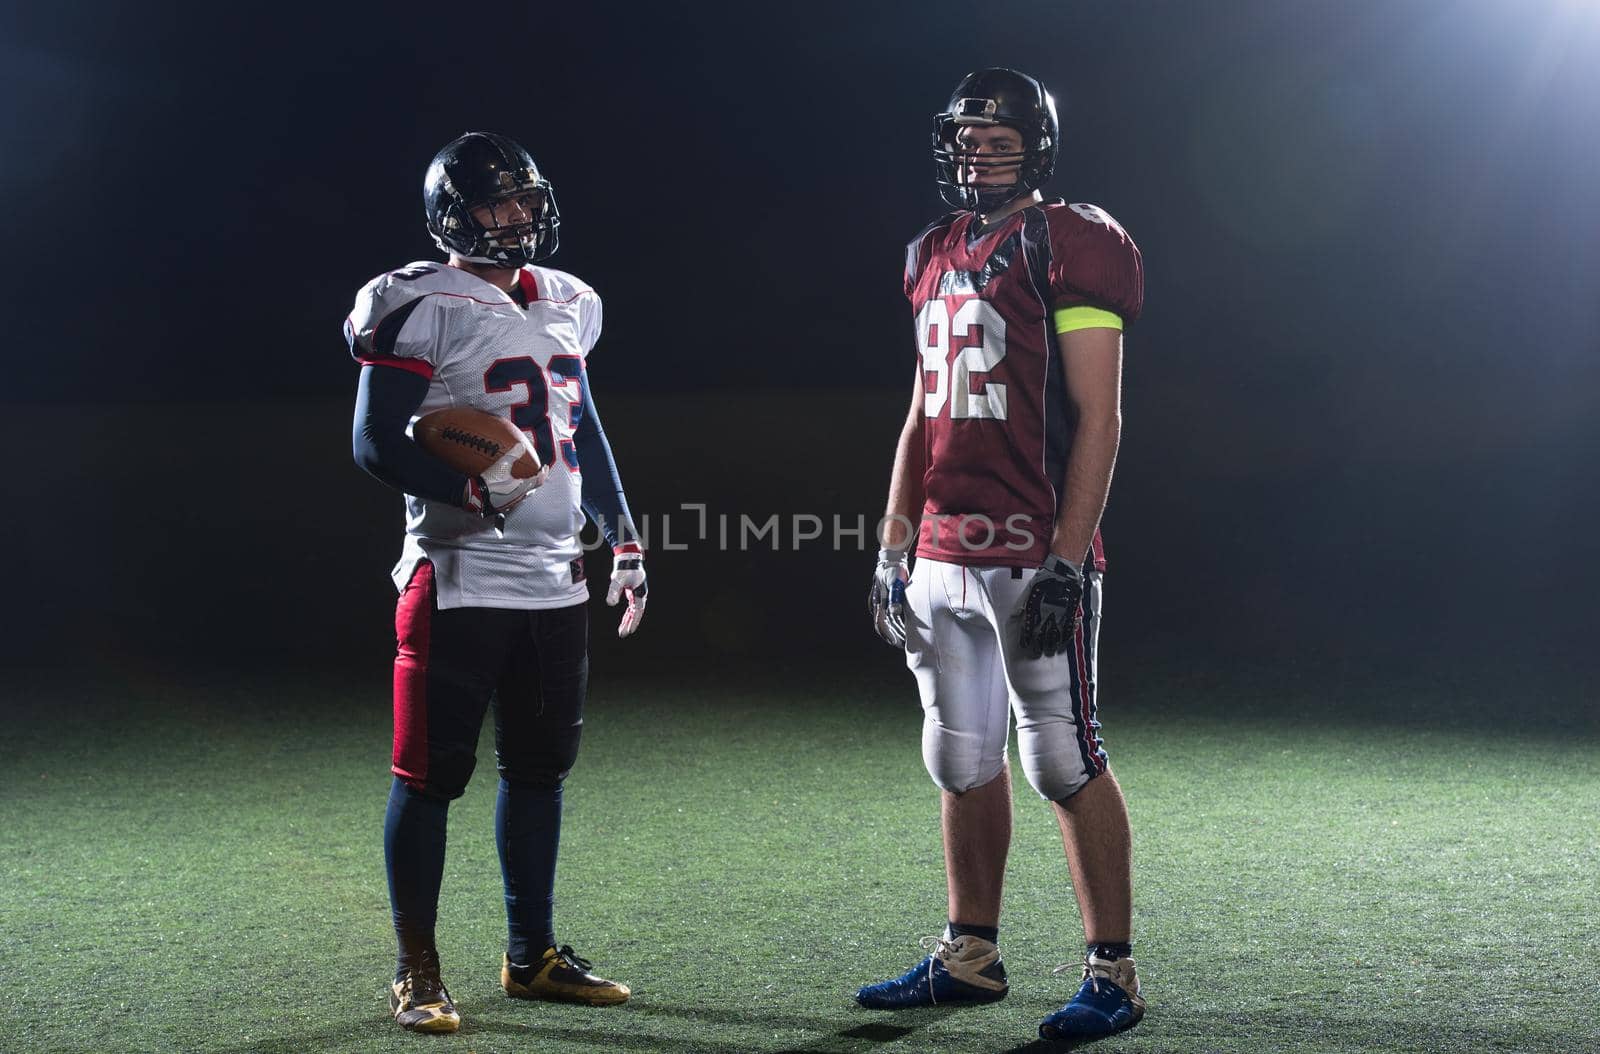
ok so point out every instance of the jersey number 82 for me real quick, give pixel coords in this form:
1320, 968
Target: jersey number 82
956, 346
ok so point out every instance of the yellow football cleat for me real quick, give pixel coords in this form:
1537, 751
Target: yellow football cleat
420, 1002
561, 977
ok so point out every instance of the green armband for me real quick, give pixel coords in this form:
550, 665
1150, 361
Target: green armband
1068, 319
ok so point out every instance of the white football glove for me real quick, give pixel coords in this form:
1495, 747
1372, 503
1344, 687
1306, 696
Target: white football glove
627, 577
496, 492
887, 600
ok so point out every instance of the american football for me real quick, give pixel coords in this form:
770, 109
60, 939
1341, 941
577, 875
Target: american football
469, 441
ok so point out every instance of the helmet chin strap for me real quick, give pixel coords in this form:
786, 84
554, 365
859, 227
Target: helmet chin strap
481, 261
486, 261
999, 197
995, 198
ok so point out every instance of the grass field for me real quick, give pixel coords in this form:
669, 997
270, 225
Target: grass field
1322, 866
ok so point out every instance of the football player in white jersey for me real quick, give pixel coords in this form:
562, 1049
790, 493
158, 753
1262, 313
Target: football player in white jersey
492, 589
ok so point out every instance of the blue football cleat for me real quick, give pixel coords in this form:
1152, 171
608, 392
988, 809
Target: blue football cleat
1107, 1002
965, 970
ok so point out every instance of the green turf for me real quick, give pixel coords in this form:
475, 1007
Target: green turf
198, 869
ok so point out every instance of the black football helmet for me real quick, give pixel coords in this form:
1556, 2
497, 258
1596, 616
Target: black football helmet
990, 97
481, 168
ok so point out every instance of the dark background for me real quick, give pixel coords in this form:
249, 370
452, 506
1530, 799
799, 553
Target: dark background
1360, 411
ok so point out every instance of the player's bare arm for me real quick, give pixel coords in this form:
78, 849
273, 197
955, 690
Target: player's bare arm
898, 532
905, 482
1092, 364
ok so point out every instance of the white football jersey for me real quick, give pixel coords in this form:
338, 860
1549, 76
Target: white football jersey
480, 348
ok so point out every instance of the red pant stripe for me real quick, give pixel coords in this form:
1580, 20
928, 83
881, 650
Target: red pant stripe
413, 617
1086, 713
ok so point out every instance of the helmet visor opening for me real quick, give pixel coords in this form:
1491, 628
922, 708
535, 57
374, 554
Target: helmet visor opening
509, 212
970, 163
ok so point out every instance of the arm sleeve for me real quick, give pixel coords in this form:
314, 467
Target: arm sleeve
603, 500
385, 401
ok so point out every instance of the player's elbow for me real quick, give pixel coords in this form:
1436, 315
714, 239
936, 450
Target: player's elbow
594, 455
360, 444
365, 455
1099, 423
367, 447
911, 432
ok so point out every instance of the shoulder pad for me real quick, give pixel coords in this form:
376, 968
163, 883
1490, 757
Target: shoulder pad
557, 286
914, 256
1093, 260
395, 289
384, 305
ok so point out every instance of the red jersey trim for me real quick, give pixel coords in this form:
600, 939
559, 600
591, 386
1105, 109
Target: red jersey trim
416, 366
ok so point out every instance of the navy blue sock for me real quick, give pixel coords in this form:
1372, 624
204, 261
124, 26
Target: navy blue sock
413, 854
1109, 950
527, 830
961, 929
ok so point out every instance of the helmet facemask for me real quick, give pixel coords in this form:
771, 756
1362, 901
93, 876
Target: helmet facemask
513, 236
958, 166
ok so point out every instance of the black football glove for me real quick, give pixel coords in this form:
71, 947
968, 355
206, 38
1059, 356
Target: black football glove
1050, 608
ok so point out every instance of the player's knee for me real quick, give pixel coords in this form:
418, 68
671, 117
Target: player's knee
533, 776
439, 789
957, 769
446, 777
545, 764
1056, 780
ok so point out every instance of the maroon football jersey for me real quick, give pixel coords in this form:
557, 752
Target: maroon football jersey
999, 425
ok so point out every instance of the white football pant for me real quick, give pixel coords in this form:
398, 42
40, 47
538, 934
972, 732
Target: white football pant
962, 645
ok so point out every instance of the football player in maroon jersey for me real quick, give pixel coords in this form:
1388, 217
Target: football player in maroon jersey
999, 481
